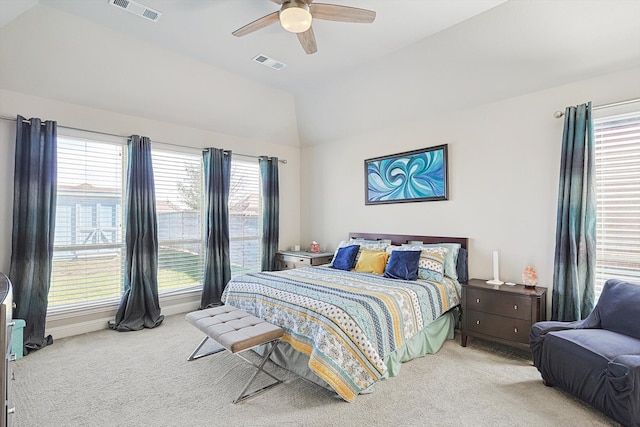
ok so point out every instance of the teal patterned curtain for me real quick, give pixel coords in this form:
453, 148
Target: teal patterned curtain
574, 267
217, 265
34, 210
270, 211
139, 307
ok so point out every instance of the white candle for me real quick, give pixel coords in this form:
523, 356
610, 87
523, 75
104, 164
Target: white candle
496, 271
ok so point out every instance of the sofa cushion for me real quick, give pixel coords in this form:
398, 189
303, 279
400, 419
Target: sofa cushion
603, 343
577, 360
619, 307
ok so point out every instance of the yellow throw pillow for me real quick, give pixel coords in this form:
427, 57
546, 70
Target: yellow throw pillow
372, 262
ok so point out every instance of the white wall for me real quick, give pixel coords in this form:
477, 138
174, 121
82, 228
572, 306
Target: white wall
504, 161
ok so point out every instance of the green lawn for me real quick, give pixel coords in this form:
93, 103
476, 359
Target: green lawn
93, 279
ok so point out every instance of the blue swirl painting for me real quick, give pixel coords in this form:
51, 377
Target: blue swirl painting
413, 176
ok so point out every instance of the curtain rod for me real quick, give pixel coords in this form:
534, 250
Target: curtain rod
284, 161
559, 114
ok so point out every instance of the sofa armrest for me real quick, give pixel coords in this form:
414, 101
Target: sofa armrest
622, 389
543, 328
540, 329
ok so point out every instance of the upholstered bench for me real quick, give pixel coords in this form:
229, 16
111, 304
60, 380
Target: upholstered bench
236, 331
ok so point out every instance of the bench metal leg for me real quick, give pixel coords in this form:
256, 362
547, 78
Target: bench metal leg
195, 354
259, 368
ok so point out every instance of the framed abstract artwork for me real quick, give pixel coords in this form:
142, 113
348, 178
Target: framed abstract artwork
413, 176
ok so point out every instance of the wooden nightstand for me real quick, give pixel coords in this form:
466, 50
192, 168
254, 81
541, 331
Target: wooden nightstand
502, 313
294, 259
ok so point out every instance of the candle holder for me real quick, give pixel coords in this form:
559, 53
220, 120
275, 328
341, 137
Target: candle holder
496, 271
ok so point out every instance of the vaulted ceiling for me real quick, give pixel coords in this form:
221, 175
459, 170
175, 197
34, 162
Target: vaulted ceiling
417, 57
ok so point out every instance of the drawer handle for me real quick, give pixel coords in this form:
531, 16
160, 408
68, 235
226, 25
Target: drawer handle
477, 322
515, 330
478, 300
515, 306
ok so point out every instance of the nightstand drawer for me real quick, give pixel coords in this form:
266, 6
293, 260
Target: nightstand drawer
305, 261
502, 304
286, 265
296, 259
498, 326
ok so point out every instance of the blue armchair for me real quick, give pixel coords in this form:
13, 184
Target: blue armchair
596, 359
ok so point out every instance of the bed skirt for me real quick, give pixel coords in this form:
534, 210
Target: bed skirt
428, 341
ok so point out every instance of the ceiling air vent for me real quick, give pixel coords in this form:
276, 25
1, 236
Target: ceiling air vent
137, 9
269, 62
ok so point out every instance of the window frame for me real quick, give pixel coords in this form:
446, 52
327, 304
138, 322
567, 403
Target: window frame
241, 269
167, 148
601, 115
99, 303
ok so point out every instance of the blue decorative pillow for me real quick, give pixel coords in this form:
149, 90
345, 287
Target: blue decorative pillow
345, 257
403, 265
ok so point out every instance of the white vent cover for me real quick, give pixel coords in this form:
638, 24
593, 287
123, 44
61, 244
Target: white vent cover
137, 9
269, 62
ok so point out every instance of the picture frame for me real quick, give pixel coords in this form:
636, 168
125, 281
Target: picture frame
412, 176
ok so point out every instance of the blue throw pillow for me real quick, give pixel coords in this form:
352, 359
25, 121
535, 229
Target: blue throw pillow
403, 265
345, 257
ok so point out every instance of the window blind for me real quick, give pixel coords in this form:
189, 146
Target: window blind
617, 163
178, 184
88, 257
245, 217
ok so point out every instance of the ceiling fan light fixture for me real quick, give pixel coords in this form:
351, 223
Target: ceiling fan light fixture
295, 17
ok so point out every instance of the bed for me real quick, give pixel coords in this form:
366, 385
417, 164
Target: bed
346, 330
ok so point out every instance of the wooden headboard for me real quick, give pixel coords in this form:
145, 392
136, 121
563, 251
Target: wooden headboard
399, 239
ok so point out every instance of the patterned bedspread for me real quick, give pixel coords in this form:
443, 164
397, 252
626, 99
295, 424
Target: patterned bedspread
346, 322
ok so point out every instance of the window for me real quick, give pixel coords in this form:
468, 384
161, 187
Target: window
245, 217
178, 182
88, 256
617, 163
89, 243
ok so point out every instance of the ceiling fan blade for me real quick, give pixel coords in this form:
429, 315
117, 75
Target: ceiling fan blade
256, 25
333, 12
308, 41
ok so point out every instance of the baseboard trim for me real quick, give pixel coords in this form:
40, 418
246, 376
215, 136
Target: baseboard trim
60, 329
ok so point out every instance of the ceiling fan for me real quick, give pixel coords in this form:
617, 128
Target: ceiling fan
296, 15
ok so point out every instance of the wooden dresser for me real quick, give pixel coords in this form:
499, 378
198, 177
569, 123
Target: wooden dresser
502, 313
294, 259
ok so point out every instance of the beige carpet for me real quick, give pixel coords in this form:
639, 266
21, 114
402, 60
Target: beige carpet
110, 378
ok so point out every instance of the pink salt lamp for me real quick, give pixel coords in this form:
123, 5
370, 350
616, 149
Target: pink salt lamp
529, 277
